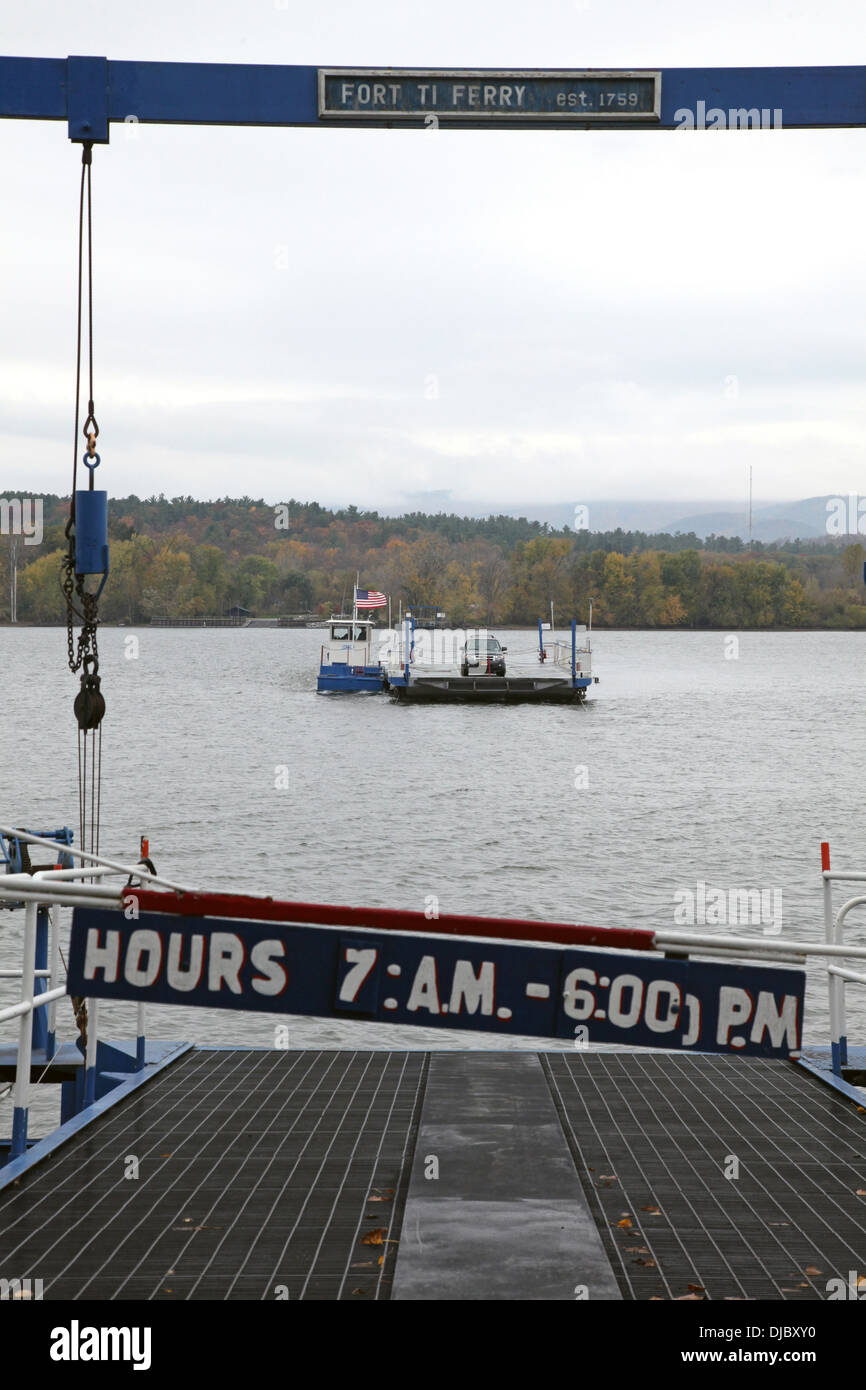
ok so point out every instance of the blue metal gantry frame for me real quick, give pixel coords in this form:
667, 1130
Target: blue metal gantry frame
91, 92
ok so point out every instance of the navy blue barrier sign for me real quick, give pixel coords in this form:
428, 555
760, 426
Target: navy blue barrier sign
541, 991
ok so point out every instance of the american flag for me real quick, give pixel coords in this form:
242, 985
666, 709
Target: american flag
369, 598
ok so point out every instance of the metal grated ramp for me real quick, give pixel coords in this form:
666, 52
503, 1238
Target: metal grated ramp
255, 1170
656, 1131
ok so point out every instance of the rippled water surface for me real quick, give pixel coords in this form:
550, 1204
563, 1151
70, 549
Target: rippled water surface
683, 766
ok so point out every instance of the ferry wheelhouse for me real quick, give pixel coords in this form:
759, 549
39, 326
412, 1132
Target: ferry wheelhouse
347, 663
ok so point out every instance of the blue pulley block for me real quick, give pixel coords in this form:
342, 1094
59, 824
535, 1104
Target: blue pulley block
91, 527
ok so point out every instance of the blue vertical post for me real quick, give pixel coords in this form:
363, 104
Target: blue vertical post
573, 650
140, 1040
540, 642
91, 1054
19, 1132
40, 1016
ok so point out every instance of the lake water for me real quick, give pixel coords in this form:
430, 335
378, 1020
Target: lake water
687, 764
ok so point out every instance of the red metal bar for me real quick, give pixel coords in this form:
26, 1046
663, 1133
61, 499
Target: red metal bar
825, 857
387, 919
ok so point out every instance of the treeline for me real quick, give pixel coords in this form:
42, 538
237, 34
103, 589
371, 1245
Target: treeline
180, 557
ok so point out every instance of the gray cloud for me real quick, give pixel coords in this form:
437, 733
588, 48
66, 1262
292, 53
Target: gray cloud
365, 315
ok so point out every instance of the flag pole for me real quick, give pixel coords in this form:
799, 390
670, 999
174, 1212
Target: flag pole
355, 611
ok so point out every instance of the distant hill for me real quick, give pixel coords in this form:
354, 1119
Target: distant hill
805, 519
774, 521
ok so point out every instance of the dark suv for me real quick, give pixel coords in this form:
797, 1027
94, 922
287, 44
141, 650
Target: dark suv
483, 656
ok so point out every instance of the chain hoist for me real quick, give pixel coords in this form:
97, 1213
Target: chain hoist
87, 555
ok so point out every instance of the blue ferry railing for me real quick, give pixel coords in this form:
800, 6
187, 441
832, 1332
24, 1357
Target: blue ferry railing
47, 890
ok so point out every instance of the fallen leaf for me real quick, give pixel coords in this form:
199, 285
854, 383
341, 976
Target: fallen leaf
636, 1250
380, 1199
381, 1259
810, 1269
688, 1297
608, 1177
696, 1288
376, 1237
359, 1291
861, 1192
625, 1223
654, 1211
363, 1264
649, 1264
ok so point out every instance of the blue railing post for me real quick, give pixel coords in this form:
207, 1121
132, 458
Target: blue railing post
573, 650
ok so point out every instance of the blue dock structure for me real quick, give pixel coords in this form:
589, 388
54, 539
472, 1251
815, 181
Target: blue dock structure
363, 1175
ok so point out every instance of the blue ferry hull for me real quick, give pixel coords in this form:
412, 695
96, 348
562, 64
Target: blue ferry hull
351, 680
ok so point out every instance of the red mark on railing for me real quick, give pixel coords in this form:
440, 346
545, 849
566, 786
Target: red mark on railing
234, 905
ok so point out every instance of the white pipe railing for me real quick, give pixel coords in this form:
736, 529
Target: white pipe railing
838, 977
757, 945
25, 1007
52, 889
844, 974
88, 857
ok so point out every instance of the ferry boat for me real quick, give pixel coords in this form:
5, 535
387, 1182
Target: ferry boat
346, 663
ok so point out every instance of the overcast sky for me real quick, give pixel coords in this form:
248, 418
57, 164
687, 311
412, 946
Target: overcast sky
505, 318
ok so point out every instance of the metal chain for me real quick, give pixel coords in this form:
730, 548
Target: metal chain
87, 638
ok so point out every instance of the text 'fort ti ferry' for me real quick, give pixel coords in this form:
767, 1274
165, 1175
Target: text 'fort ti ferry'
425, 667
347, 664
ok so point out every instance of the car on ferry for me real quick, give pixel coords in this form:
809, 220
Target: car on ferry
482, 656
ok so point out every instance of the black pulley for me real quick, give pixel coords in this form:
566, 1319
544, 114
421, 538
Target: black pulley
89, 702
